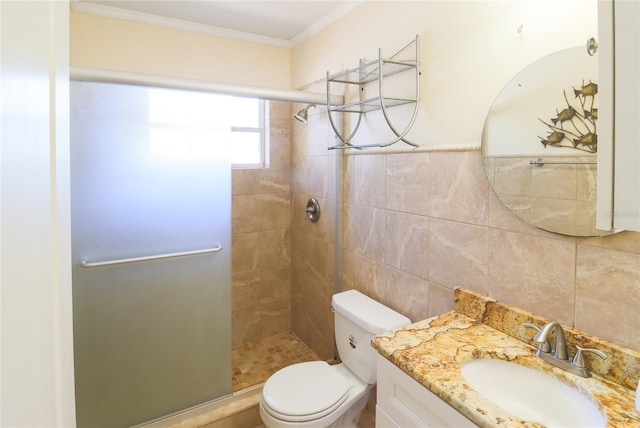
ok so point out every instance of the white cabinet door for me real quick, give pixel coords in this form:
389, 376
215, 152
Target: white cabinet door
404, 402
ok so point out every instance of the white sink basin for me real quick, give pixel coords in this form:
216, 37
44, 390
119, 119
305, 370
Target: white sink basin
531, 395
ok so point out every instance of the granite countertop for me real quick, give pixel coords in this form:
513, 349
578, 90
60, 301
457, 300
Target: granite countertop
432, 352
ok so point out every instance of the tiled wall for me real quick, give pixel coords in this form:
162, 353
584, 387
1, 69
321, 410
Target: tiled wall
418, 225
312, 244
261, 233
415, 227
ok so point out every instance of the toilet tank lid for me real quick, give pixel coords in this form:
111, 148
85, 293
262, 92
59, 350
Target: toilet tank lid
369, 314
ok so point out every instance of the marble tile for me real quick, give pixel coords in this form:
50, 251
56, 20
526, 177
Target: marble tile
253, 363
279, 110
313, 257
369, 180
274, 180
624, 241
274, 248
365, 231
299, 135
554, 215
370, 278
586, 182
348, 226
489, 169
244, 251
407, 294
320, 176
459, 190
586, 219
501, 217
253, 213
348, 270
407, 183
245, 181
348, 174
608, 294
458, 255
274, 285
245, 290
440, 299
407, 243
299, 168
245, 326
243, 213
320, 134
512, 176
518, 205
322, 229
534, 273
311, 316
274, 210
554, 181
275, 318
279, 154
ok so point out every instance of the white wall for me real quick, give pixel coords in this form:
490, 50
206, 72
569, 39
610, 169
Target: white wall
36, 370
470, 50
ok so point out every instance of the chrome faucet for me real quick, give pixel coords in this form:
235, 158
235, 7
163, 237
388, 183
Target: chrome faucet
561, 345
559, 358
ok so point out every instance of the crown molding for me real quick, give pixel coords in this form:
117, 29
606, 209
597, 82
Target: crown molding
145, 18
323, 22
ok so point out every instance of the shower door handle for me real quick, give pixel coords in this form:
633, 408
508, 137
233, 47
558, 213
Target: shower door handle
86, 264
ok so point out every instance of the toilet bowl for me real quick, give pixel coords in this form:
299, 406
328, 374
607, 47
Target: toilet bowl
313, 394
316, 394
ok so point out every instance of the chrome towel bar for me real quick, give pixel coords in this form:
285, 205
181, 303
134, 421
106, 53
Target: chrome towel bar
541, 162
86, 264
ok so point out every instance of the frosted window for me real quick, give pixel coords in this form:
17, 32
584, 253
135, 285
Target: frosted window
186, 125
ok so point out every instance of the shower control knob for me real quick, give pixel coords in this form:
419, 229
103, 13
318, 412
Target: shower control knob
312, 212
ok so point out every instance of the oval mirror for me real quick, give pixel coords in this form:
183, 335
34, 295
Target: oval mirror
539, 143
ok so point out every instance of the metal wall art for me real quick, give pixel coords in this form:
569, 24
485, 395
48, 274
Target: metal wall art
575, 125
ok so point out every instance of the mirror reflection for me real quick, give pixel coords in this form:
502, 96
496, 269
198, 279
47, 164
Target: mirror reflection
539, 143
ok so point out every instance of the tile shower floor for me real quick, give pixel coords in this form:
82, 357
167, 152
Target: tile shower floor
253, 363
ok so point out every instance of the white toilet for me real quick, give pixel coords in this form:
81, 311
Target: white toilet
316, 394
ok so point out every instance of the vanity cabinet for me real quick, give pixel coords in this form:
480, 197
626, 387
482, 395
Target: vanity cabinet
403, 402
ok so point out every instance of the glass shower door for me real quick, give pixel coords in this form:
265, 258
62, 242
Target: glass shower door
150, 176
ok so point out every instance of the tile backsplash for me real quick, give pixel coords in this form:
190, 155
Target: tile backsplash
418, 225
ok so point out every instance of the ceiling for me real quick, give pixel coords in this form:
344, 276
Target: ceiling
274, 22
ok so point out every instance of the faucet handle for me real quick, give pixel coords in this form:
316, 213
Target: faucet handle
542, 347
578, 359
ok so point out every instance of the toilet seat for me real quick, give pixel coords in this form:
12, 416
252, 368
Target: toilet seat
304, 391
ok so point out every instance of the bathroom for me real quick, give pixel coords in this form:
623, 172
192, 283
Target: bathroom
408, 252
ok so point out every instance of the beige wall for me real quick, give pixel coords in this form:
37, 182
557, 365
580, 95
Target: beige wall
130, 46
469, 51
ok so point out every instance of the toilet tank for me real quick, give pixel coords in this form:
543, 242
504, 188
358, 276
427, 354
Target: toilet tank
357, 319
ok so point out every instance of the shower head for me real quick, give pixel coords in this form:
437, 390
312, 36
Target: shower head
302, 114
